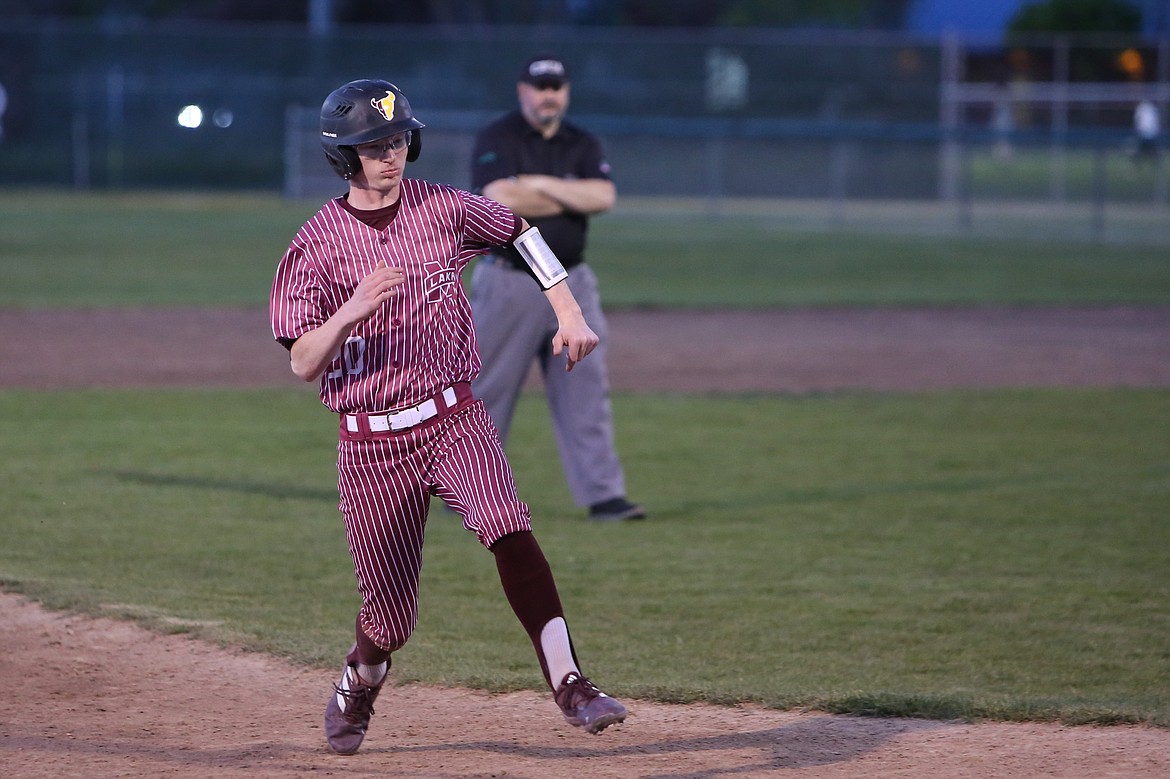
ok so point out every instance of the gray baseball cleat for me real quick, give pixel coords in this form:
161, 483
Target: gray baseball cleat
585, 706
347, 715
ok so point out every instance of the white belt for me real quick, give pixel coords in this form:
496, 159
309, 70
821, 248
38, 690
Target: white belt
403, 418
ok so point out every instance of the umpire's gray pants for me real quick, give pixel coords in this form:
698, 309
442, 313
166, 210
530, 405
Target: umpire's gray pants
514, 325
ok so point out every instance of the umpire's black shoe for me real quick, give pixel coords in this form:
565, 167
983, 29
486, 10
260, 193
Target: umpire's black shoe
615, 510
587, 707
347, 716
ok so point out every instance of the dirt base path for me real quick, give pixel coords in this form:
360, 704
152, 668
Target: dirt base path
100, 698
652, 351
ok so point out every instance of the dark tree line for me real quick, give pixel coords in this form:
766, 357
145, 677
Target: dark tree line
1037, 16
872, 14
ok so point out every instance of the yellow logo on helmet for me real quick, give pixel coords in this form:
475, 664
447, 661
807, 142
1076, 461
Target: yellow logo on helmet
385, 105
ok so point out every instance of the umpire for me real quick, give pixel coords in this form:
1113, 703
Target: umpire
555, 175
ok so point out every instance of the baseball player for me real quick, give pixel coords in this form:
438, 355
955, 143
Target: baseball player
555, 175
368, 300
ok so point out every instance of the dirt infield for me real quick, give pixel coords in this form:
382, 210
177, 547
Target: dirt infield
802, 350
101, 698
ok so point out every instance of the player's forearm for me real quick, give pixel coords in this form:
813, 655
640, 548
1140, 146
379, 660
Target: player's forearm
574, 338
564, 304
312, 352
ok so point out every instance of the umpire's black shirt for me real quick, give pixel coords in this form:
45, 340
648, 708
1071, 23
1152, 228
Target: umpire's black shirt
510, 146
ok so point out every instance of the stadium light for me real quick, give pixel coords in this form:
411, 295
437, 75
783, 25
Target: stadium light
190, 117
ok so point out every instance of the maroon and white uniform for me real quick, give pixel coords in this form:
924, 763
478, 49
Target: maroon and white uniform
417, 351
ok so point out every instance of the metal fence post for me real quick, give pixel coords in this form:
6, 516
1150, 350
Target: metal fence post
1099, 186
1160, 183
950, 117
838, 182
1058, 184
80, 151
115, 122
966, 195
715, 166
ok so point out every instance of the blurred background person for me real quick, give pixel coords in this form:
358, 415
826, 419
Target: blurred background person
554, 174
1147, 126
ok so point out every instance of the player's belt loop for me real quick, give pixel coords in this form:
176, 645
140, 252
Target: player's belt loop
455, 396
357, 424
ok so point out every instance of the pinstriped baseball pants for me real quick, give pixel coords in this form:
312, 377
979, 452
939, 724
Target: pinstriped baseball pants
385, 484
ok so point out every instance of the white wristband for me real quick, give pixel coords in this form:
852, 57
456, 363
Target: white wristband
540, 258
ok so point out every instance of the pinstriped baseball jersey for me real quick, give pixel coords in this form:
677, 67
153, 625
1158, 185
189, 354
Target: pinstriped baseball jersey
421, 340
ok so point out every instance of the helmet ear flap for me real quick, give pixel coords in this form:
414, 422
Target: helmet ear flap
351, 162
344, 161
415, 147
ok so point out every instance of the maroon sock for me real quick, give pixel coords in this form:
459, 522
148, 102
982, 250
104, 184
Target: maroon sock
529, 586
367, 652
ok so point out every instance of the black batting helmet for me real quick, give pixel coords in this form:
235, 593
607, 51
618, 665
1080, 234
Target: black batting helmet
364, 111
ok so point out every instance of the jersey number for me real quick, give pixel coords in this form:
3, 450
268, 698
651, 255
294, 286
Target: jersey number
353, 358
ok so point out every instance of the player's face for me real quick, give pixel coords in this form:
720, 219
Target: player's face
543, 107
384, 160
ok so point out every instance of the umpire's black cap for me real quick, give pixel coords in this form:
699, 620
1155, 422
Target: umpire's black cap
545, 70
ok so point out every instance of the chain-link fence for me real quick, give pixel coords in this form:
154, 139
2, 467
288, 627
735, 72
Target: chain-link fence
712, 117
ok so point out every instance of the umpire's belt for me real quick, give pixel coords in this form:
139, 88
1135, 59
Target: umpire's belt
361, 424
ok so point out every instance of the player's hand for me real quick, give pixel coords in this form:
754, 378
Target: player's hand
374, 290
576, 340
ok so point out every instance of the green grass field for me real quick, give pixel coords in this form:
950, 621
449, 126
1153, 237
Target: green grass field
65, 249
1031, 172
954, 554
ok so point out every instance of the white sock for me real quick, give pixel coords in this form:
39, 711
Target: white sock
371, 674
558, 655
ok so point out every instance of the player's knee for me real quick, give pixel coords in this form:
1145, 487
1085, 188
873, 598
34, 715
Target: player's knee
499, 521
